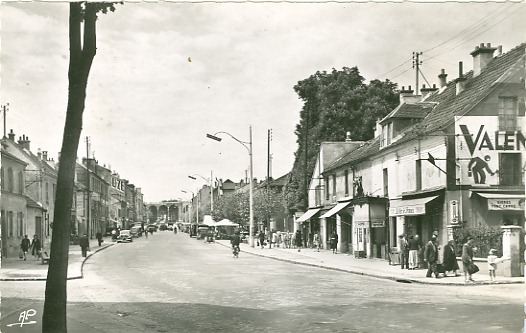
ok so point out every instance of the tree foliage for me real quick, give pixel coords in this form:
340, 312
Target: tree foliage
234, 207
267, 204
333, 103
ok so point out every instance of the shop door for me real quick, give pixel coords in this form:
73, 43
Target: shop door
361, 239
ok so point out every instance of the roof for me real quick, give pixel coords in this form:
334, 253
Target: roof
33, 204
476, 88
411, 111
447, 104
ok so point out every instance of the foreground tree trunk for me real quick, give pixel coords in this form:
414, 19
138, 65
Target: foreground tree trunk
81, 58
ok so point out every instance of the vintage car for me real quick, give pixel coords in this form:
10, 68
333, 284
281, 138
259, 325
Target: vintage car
124, 237
136, 231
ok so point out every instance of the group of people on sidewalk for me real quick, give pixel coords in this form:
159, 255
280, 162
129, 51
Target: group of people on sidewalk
35, 245
414, 255
287, 240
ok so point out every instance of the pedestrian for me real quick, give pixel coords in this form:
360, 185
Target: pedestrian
317, 241
467, 260
99, 237
114, 235
493, 260
84, 244
431, 256
262, 239
299, 240
274, 236
334, 242
414, 248
36, 247
24, 246
450, 259
311, 239
402, 246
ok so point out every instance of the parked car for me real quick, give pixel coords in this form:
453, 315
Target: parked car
125, 237
163, 227
136, 231
151, 228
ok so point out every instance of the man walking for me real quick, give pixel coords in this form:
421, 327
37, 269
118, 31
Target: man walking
99, 237
84, 245
402, 247
431, 256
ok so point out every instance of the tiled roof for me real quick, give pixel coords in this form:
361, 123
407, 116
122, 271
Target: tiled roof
367, 149
476, 88
448, 104
413, 111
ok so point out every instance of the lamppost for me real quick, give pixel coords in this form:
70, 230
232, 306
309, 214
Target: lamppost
251, 186
190, 213
211, 188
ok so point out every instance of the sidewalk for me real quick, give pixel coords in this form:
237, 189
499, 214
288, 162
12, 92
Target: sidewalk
15, 269
370, 267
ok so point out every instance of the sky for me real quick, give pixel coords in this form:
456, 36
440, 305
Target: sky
166, 74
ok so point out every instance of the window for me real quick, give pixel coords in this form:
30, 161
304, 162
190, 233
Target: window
47, 192
333, 185
327, 194
10, 180
346, 175
10, 231
389, 133
20, 182
20, 224
383, 139
2, 180
508, 113
386, 183
510, 171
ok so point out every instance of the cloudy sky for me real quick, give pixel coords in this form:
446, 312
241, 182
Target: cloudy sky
165, 74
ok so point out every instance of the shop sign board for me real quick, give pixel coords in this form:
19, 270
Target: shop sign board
506, 204
378, 223
408, 210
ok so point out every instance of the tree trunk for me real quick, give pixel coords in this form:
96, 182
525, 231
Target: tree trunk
54, 316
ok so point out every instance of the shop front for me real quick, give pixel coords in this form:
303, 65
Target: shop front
494, 209
369, 227
415, 216
338, 218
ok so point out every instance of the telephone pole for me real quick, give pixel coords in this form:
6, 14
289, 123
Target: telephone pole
4, 109
416, 64
87, 190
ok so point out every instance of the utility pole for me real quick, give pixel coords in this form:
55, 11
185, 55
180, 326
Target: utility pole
87, 190
268, 188
4, 109
416, 64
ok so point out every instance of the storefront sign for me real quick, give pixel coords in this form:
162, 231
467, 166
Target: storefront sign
506, 204
361, 224
118, 184
378, 223
408, 210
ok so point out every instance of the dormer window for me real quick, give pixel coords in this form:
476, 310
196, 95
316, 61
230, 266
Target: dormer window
387, 134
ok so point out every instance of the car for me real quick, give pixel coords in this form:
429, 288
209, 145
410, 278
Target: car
163, 227
136, 231
151, 228
125, 237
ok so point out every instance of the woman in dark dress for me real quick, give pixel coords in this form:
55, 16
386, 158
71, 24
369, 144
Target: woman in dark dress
36, 246
334, 242
450, 260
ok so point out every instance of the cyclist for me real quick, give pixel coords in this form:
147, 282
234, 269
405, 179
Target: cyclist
235, 243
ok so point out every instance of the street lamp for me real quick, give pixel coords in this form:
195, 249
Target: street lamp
211, 188
251, 196
190, 213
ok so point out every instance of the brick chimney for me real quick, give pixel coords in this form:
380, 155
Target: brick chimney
482, 57
443, 78
461, 81
24, 142
44, 155
427, 91
11, 135
406, 96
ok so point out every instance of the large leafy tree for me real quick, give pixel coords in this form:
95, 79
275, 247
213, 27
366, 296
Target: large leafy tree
268, 203
334, 103
82, 49
234, 207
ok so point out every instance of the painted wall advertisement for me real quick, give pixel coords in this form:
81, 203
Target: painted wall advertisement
478, 145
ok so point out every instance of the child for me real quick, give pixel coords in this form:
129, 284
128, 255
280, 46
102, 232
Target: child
493, 260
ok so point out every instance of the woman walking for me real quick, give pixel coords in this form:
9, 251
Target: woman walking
36, 246
450, 260
334, 242
467, 260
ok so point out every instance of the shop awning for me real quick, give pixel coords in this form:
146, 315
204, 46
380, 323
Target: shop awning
310, 213
339, 206
409, 207
503, 201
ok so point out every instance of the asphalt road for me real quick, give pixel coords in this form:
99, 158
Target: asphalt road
173, 283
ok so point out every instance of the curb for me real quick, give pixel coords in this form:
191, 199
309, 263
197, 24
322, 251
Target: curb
75, 277
380, 276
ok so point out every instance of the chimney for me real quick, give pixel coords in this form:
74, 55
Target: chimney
39, 154
443, 78
482, 57
406, 96
11, 135
348, 137
24, 142
428, 91
499, 51
44, 155
461, 81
